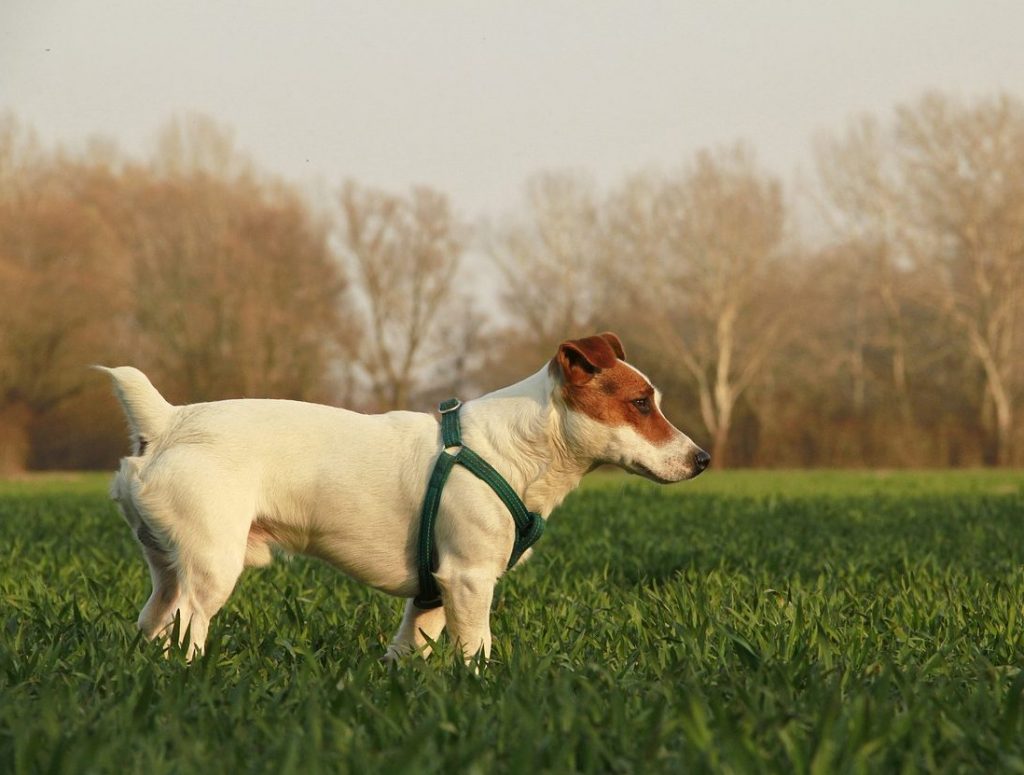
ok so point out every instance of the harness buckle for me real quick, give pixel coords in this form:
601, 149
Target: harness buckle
451, 405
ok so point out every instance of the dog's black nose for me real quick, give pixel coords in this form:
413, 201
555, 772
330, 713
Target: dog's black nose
702, 459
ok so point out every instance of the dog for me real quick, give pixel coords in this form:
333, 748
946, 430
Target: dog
211, 488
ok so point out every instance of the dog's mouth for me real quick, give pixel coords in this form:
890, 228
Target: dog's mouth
641, 470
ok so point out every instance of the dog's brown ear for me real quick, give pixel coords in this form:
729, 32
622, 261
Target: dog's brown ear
580, 359
616, 344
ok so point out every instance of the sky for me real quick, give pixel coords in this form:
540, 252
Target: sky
473, 98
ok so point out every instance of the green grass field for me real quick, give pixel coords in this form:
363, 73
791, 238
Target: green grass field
744, 622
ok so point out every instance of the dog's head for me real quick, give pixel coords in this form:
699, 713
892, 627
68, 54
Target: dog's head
613, 413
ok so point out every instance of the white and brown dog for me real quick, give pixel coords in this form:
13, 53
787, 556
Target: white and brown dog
210, 488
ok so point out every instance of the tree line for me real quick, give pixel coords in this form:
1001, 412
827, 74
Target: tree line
889, 334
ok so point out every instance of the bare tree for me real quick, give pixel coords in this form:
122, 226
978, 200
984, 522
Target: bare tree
194, 144
862, 186
939, 197
548, 260
403, 253
964, 173
698, 255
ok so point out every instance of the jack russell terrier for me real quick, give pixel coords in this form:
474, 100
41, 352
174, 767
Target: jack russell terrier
210, 488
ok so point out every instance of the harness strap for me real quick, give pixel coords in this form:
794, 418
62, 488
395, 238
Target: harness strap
529, 525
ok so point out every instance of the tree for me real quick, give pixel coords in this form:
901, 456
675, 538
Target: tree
861, 185
548, 258
403, 253
235, 290
696, 260
57, 264
964, 173
940, 194
554, 247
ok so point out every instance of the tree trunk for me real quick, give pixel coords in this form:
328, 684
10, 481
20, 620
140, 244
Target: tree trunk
996, 389
719, 447
1004, 430
15, 420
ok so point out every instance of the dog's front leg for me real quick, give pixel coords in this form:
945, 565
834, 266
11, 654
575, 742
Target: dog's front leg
467, 604
417, 626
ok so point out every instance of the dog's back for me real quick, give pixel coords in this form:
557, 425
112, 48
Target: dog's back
264, 437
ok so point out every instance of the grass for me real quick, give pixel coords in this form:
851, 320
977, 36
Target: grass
761, 621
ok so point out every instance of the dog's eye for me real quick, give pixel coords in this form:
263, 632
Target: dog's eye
643, 405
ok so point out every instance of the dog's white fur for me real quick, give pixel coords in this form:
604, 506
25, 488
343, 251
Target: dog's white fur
212, 487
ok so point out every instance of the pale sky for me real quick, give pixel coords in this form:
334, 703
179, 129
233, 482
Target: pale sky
474, 97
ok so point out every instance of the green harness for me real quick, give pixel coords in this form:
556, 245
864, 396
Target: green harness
529, 525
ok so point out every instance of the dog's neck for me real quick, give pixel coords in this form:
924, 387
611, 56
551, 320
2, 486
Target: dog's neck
520, 429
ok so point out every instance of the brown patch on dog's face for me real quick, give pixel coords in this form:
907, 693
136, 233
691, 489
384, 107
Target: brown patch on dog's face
600, 385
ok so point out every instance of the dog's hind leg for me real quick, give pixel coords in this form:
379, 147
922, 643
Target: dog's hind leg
196, 552
208, 569
207, 582
417, 626
158, 613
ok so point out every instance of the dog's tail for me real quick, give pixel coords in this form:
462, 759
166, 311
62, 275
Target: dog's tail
147, 411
